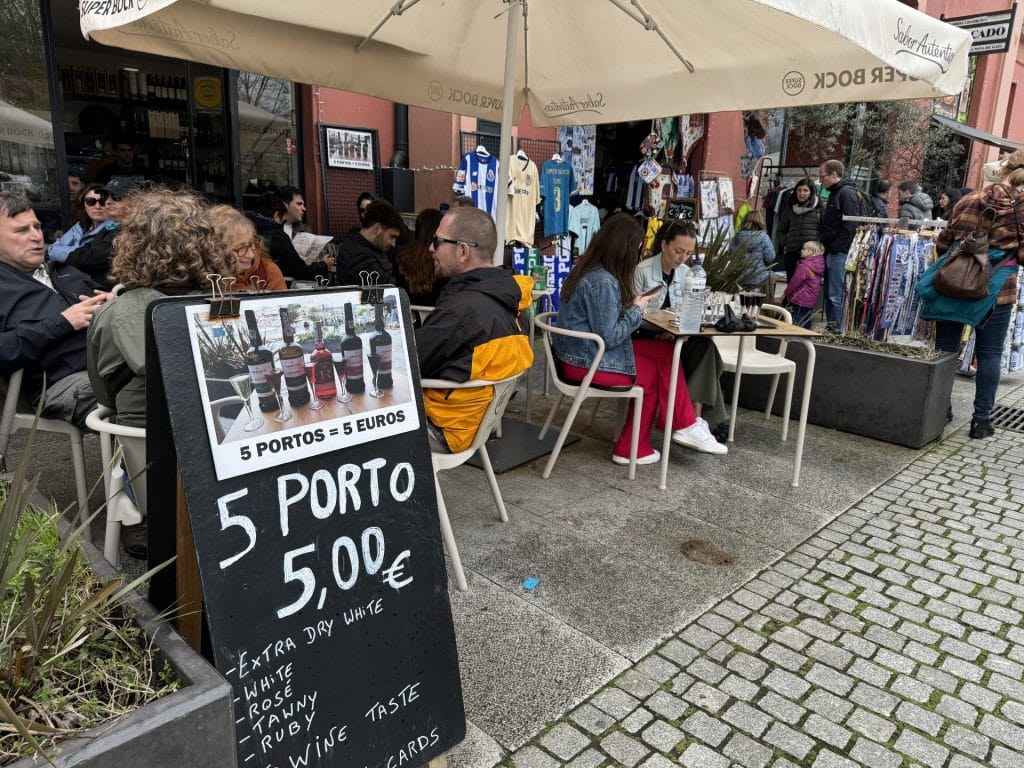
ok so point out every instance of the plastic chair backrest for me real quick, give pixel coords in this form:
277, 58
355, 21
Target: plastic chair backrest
495, 409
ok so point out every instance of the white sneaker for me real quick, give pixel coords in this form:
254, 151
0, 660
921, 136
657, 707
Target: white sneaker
698, 437
650, 458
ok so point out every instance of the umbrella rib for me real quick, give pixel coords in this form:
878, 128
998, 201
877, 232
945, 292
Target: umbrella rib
643, 18
397, 9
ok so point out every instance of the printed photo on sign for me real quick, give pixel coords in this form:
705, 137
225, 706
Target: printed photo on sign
349, 149
293, 377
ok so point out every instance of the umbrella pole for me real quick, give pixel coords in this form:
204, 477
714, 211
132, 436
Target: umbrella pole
515, 19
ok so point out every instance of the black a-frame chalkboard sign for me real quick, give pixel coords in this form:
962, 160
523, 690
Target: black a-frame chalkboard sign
323, 576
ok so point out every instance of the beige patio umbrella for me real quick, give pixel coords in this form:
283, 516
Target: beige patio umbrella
572, 61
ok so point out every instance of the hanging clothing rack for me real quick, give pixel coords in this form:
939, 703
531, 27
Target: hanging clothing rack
902, 223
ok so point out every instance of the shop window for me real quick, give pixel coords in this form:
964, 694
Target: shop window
267, 139
27, 158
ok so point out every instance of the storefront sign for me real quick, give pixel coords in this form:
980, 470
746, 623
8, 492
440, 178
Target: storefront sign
323, 576
991, 31
207, 92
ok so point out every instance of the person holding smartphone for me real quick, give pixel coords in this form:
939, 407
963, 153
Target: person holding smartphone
599, 296
675, 244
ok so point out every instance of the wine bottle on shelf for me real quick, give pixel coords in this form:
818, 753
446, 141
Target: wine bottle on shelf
150, 87
380, 345
260, 361
323, 366
182, 90
352, 349
292, 363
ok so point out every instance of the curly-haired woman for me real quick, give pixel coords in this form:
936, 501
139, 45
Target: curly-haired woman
166, 246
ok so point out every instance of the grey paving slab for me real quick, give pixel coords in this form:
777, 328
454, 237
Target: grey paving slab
547, 667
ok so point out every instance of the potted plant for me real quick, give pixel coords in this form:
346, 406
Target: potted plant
891, 392
91, 676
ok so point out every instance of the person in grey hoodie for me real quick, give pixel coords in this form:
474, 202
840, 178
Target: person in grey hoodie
914, 203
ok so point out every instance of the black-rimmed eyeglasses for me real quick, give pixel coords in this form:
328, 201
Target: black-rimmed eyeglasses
438, 241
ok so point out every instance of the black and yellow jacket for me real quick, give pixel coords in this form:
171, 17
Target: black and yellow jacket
474, 333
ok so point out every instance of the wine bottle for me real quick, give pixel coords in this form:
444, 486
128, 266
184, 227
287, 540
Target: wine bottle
150, 87
261, 362
292, 363
380, 345
323, 366
352, 350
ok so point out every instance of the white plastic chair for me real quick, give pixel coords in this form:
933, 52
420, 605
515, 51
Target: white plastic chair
19, 414
215, 408
581, 391
759, 363
443, 460
420, 312
120, 509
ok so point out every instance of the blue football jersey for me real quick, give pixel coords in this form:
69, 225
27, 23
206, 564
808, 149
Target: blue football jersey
477, 178
556, 184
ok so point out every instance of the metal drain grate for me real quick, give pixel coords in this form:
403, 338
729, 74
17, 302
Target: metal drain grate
1008, 418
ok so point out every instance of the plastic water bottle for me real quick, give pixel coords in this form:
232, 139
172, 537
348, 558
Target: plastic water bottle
694, 294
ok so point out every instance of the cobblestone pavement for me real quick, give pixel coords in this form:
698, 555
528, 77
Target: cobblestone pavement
892, 638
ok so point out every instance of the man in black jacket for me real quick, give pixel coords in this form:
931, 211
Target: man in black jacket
836, 236
365, 250
45, 309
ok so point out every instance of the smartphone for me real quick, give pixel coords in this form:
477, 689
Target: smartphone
651, 292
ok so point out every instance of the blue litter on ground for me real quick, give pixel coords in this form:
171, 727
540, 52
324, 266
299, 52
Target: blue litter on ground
530, 583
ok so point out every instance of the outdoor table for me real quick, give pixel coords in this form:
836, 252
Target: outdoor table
303, 415
662, 319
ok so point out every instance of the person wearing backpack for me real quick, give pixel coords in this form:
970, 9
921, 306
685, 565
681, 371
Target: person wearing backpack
844, 199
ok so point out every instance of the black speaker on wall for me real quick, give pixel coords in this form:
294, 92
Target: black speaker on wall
398, 188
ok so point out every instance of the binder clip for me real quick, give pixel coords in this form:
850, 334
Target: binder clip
222, 305
257, 285
321, 283
371, 288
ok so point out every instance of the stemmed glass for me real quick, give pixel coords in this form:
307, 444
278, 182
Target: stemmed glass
374, 367
285, 413
758, 299
242, 385
339, 367
315, 403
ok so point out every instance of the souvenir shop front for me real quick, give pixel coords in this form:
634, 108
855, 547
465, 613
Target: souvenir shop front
120, 118
652, 169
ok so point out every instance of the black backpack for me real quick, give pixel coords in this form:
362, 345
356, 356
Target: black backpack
864, 205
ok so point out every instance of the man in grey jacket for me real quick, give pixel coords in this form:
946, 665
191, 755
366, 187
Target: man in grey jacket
914, 203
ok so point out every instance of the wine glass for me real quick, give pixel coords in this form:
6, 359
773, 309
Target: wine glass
759, 298
374, 361
242, 385
315, 403
274, 380
339, 366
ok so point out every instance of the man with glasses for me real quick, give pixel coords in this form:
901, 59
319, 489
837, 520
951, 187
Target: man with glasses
365, 249
45, 309
474, 332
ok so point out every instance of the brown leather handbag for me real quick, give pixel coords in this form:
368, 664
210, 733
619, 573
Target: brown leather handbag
965, 272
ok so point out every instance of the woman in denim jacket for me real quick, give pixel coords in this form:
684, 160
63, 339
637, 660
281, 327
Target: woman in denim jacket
598, 297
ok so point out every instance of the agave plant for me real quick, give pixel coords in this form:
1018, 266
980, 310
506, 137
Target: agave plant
223, 352
726, 266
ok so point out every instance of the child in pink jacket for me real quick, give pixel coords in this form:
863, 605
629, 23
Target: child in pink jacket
802, 291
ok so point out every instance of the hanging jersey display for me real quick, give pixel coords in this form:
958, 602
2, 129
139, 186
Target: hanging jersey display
477, 178
556, 183
584, 221
523, 197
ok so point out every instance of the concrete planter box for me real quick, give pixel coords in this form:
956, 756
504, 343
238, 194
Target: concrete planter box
194, 726
897, 400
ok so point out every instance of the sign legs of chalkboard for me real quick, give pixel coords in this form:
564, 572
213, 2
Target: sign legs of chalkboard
320, 556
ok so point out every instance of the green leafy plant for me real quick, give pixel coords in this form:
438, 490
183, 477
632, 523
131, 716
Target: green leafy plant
223, 355
725, 266
70, 654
